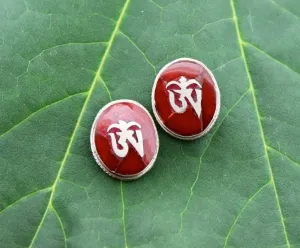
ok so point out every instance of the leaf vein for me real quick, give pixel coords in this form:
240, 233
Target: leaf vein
23, 198
156, 4
211, 23
284, 155
41, 109
226, 63
56, 46
76, 185
242, 210
123, 215
284, 9
140, 50
267, 54
61, 225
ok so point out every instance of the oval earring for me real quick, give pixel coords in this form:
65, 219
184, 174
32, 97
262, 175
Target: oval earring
124, 140
186, 99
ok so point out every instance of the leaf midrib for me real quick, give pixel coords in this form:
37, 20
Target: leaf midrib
95, 80
241, 43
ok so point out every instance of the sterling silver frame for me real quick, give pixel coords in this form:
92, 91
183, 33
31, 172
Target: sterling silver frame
218, 102
99, 160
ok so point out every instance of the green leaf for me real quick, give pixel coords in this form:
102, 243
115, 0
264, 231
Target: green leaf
61, 61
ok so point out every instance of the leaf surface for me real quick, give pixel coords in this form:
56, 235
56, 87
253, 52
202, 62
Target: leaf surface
61, 61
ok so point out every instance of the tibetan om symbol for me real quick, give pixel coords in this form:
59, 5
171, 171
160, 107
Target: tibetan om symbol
185, 94
126, 135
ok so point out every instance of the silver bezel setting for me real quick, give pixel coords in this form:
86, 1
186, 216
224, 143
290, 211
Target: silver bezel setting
99, 160
218, 101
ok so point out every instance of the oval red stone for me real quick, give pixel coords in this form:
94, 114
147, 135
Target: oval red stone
124, 139
186, 98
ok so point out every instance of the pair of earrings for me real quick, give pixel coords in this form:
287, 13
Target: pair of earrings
186, 104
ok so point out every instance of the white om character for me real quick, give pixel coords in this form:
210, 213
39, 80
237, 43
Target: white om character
126, 135
186, 93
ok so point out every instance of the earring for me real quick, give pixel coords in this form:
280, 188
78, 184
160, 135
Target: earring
124, 140
186, 99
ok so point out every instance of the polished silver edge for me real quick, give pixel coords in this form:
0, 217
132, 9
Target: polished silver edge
97, 157
218, 102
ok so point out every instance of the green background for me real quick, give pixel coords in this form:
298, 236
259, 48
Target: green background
62, 60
